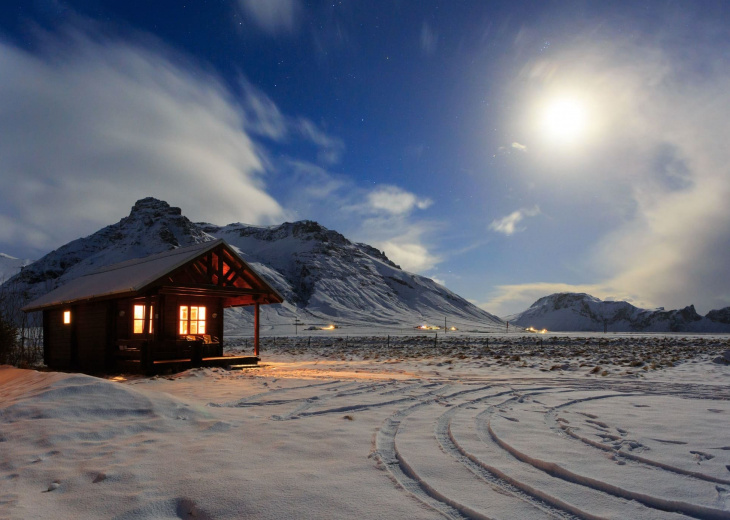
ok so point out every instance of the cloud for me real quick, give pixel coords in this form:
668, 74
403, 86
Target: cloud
394, 200
90, 125
273, 16
429, 39
330, 148
263, 118
409, 253
519, 147
508, 225
654, 167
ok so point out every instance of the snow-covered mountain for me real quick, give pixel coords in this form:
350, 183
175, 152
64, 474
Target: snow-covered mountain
583, 312
319, 270
10, 266
323, 277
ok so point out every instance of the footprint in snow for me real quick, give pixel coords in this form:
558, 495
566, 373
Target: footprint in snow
53, 486
701, 456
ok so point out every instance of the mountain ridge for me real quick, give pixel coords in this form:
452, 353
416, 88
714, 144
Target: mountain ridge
322, 275
581, 312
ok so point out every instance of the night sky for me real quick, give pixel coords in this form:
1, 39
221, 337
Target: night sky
507, 149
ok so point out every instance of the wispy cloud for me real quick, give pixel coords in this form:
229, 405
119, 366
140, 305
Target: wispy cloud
394, 200
330, 148
122, 119
90, 125
429, 39
273, 16
263, 118
509, 225
519, 147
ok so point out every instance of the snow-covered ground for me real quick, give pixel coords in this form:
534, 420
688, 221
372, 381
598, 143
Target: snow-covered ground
519, 427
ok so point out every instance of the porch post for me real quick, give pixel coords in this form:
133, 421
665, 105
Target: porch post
256, 329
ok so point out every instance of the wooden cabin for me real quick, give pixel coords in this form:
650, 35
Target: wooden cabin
164, 310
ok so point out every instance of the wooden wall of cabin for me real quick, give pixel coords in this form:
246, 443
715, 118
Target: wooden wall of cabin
80, 344
57, 338
123, 319
92, 327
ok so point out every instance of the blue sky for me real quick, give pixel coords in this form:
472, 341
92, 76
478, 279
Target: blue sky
506, 149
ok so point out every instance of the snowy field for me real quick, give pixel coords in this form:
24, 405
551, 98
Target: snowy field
508, 427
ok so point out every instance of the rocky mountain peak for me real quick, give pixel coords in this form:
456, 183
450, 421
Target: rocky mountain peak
155, 207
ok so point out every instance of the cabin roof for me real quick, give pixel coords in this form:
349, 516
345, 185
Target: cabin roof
132, 276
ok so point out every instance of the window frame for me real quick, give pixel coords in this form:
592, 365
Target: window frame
145, 309
185, 320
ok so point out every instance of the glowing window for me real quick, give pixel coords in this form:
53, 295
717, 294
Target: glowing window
139, 319
66, 317
192, 320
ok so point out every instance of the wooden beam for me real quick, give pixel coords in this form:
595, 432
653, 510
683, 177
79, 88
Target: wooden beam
256, 321
231, 276
236, 267
199, 272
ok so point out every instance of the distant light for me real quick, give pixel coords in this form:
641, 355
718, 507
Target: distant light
533, 329
429, 327
329, 327
66, 317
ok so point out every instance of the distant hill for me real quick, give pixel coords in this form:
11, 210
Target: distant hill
582, 312
323, 277
10, 266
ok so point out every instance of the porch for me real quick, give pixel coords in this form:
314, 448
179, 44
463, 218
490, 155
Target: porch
152, 357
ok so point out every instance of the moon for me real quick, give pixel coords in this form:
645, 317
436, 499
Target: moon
565, 120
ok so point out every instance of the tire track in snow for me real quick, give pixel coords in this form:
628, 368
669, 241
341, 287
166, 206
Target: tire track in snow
668, 505
407, 477
302, 410
551, 505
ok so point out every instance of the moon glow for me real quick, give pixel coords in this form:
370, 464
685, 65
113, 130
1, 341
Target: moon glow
564, 120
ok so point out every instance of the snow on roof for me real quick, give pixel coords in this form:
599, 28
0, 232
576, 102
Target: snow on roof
124, 277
